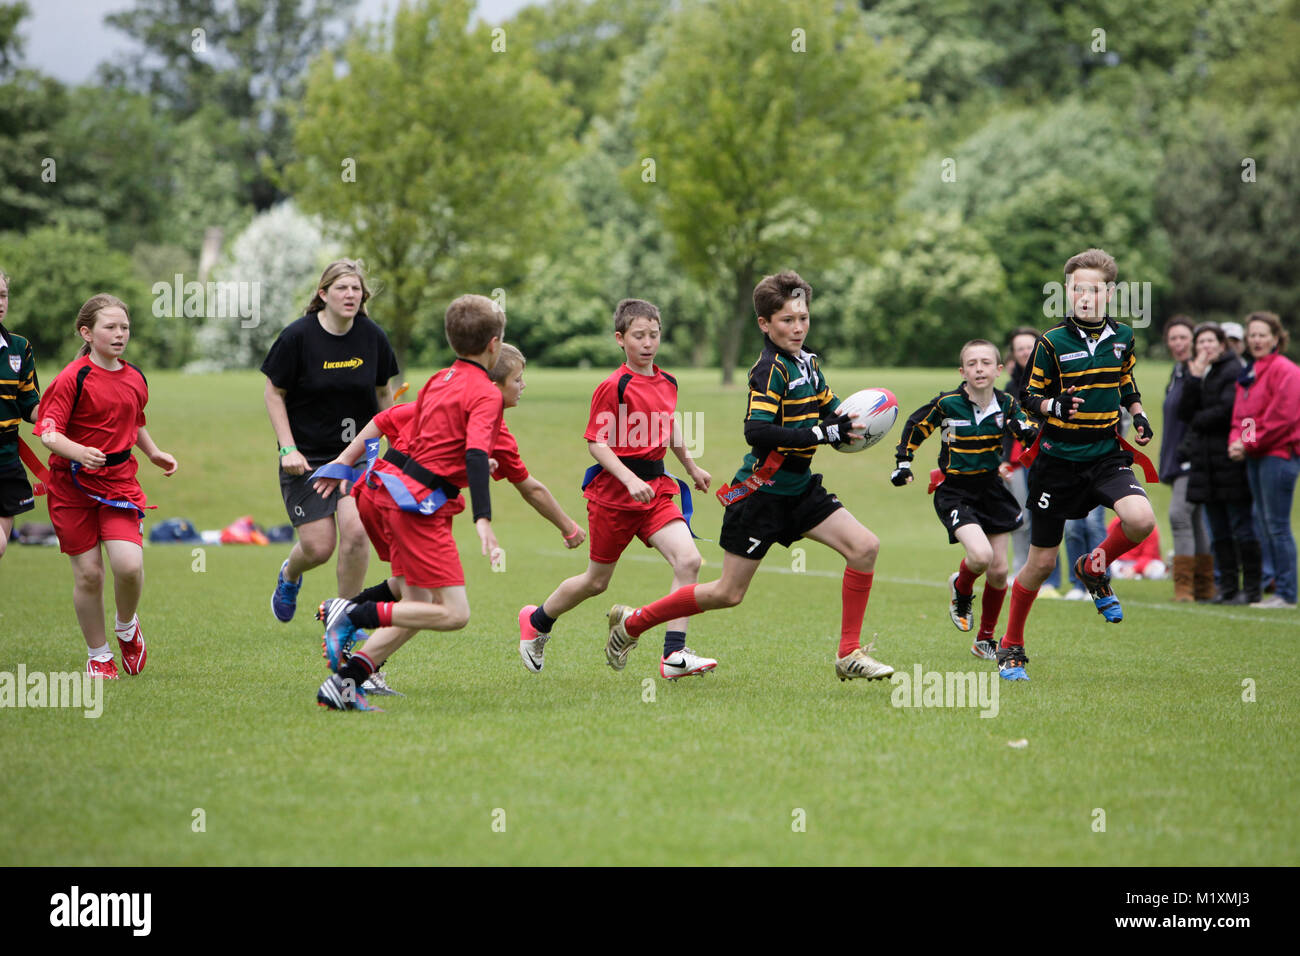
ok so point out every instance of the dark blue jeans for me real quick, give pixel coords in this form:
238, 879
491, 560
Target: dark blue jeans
1272, 482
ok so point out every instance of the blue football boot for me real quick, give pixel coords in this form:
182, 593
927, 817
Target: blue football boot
1012, 661
1098, 586
284, 599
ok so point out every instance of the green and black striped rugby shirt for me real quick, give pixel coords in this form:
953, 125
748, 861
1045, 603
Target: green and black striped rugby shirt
972, 437
19, 392
1100, 366
790, 392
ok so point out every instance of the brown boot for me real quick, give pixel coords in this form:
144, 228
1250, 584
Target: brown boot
1203, 578
1184, 577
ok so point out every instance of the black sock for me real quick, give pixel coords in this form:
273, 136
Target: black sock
377, 592
365, 615
674, 641
356, 669
541, 621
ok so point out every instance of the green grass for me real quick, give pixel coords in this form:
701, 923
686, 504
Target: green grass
1145, 721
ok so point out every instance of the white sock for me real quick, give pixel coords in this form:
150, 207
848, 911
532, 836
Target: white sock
124, 628
95, 653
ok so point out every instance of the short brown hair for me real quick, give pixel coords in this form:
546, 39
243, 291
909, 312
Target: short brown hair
89, 314
1274, 323
1098, 259
776, 290
473, 321
630, 309
961, 356
1210, 327
1179, 320
508, 359
1010, 355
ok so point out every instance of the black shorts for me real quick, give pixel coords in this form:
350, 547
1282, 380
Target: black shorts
301, 501
15, 491
1060, 490
754, 524
983, 501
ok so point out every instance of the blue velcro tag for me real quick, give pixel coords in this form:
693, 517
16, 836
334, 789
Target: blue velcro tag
406, 501
111, 502
688, 504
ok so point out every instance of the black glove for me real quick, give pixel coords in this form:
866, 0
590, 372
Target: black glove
1061, 407
902, 473
833, 431
1141, 426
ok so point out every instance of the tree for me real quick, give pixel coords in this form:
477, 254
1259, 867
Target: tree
766, 156
1226, 195
245, 59
581, 46
1043, 184
434, 158
281, 255
52, 272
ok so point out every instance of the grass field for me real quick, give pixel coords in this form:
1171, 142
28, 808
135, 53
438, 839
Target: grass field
485, 763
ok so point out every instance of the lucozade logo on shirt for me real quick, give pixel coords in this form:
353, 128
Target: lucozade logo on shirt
356, 362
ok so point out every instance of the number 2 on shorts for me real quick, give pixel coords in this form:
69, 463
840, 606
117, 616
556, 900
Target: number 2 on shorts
954, 517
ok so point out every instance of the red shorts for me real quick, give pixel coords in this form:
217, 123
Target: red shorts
611, 530
423, 547
375, 520
82, 522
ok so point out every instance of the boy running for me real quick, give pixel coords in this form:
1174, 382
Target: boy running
971, 499
1080, 375
629, 430
774, 497
508, 376
456, 421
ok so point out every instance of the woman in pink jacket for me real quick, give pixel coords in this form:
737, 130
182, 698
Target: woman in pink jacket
1266, 433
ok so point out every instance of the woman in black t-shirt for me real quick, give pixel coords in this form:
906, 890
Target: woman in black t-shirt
326, 376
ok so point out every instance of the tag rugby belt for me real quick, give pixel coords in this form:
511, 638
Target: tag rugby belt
441, 490
647, 470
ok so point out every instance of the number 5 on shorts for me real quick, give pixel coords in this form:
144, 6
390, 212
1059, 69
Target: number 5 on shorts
1044, 500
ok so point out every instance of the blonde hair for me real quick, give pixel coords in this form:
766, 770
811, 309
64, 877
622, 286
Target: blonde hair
508, 360
90, 313
333, 272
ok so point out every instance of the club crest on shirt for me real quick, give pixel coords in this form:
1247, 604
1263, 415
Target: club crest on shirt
1000, 419
1118, 349
15, 363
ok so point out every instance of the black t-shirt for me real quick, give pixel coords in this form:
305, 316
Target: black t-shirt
329, 381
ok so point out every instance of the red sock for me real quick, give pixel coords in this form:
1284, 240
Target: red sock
853, 596
990, 608
1116, 544
681, 603
965, 583
1022, 599
385, 611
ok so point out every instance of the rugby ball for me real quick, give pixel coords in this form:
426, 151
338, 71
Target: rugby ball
877, 410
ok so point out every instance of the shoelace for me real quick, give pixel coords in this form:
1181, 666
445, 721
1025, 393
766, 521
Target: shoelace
964, 602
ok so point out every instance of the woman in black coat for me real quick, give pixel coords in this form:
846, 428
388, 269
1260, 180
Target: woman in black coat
1214, 479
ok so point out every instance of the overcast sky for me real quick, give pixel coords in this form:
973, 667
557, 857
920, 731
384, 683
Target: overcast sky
68, 39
